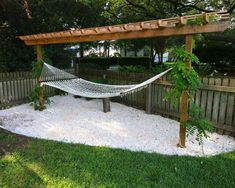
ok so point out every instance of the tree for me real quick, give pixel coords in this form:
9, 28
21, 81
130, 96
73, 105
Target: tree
124, 11
27, 10
47, 16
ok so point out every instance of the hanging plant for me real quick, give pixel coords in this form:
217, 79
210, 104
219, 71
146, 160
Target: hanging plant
187, 79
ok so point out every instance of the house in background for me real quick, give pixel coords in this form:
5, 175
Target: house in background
102, 50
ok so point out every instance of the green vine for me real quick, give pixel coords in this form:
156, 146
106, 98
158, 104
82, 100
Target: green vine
201, 21
38, 90
37, 69
187, 79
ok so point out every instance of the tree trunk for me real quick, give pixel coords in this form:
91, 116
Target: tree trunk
81, 50
152, 56
135, 53
108, 52
161, 57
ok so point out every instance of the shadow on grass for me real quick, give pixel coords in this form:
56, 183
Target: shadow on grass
15, 173
68, 165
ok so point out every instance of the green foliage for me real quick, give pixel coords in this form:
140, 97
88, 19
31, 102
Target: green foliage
203, 69
96, 62
196, 21
41, 163
198, 125
187, 79
143, 69
159, 68
38, 90
100, 81
37, 69
131, 68
201, 21
212, 18
106, 62
60, 92
218, 54
184, 78
48, 16
141, 61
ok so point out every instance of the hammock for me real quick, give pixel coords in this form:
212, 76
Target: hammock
67, 82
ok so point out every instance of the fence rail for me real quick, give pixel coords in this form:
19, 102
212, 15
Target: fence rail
16, 88
216, 96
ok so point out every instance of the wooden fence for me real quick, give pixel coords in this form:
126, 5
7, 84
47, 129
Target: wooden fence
16, 88
216, 96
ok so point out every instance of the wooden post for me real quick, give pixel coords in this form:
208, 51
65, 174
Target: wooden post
106, 105
39, 58
149, 99
184, 98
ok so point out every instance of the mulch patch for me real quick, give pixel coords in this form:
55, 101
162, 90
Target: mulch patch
9, 145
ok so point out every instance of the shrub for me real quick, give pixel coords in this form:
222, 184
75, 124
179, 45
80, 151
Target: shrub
106, 62
131, 68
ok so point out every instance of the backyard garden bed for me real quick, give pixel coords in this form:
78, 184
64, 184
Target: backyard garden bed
80, 121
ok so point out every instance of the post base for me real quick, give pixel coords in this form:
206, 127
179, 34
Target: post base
180, 146
106, 105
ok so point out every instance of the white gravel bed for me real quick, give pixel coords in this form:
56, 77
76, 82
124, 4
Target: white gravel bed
80, 121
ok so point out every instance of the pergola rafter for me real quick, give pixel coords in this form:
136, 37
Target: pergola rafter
154, 28
211, 22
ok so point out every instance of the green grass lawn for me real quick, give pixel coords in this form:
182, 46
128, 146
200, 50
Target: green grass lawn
41, 163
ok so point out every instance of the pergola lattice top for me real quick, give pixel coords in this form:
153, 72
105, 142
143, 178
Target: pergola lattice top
154, 28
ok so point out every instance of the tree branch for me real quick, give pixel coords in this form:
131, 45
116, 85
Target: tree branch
27, 10
144, 9
232, 8
194, 5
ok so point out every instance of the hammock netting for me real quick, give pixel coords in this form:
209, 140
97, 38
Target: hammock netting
54, 77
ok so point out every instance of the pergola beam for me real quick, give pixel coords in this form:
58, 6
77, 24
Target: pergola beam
145, 33
213, 22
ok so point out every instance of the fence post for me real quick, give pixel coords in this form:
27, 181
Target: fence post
149, 99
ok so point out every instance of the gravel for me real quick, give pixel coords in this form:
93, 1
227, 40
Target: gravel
80, 121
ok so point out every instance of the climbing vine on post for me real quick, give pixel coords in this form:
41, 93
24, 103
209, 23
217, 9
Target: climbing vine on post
38, 90
187, 82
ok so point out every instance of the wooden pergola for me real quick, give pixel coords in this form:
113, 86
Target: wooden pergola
176, 26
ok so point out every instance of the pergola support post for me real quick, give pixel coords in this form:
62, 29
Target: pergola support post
185, 98
41, 96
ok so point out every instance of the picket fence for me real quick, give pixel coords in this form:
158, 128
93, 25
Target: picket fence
216, 96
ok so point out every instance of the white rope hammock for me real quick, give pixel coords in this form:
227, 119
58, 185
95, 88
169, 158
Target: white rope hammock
67, 82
